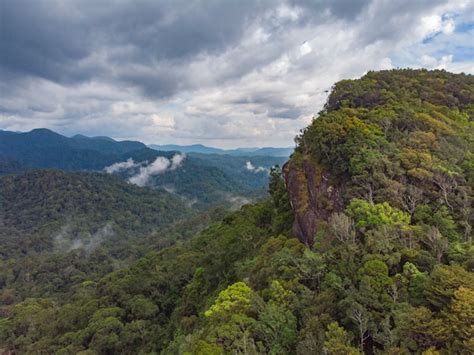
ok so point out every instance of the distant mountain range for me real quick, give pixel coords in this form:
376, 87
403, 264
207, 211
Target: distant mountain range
43, 148
203, 178
199, 148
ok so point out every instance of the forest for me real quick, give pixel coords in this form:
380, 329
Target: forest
363, 244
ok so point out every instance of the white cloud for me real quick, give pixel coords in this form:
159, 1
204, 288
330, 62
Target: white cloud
448, 27
305, 48
117, 167
249, 166
177, 160
159, 166
433, 63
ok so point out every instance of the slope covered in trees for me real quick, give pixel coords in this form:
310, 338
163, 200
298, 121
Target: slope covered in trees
57, 228
379, 192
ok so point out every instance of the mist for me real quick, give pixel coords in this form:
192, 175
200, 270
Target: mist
250, 167
125, 165
159, 166
67, 240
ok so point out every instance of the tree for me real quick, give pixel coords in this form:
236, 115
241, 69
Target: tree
237, 298
367, 215
106, 335
277, 327
411, 197
460, 320
437, 243
338, 342
447, 183
282, 219
444, 281
342, 227
229, 322
361, 320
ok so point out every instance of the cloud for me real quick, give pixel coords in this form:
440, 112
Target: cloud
236, 202
117, 167
141, 177
305, 48
176, 161
159, 166
68, 239
230, 74
249, 166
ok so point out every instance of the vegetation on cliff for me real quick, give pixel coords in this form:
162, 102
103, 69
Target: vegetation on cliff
386, 169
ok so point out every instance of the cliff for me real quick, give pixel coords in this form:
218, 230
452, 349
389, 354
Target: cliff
314, 195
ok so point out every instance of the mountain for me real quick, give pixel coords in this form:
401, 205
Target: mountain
199, 148
43, 148
270, 151
363, 247
101, 138
195, 148
9, 166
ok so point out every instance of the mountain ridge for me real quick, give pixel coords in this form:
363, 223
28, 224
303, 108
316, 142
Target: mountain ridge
43, 148
199, 148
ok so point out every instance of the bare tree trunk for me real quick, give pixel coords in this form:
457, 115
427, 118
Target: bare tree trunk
447, 184
360, 319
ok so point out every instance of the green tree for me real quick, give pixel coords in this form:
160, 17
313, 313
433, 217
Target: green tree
368, 215
338, 341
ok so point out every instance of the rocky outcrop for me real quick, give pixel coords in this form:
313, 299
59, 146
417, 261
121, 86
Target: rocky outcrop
313, 195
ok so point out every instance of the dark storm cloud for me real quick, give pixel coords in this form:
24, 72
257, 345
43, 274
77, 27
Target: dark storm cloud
54, 39
76, 41
39, 39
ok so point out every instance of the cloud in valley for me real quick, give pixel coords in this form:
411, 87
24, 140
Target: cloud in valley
68, 238
141, 178
117, 167
250, 167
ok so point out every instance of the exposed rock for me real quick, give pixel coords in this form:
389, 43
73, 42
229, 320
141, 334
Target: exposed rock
313, 195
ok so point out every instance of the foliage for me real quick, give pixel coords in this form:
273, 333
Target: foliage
368, 215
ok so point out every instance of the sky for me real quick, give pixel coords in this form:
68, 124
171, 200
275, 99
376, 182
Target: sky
244, 73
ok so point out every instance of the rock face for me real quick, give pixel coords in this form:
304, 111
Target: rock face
313, 196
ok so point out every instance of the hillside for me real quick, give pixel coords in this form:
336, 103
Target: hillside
83, 220
364, 246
